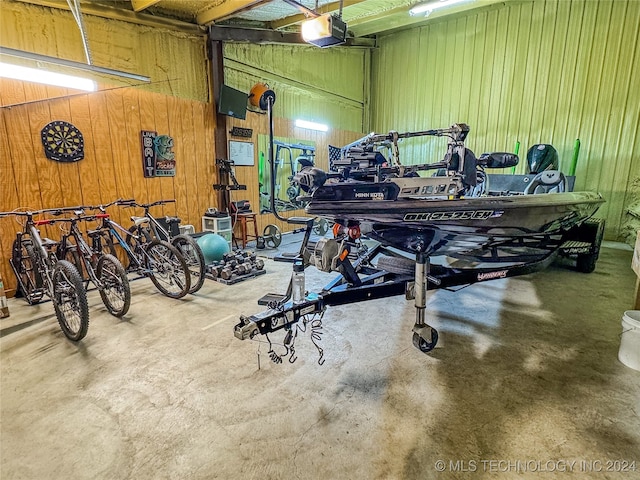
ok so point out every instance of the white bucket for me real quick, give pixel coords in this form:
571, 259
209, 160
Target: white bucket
629, 352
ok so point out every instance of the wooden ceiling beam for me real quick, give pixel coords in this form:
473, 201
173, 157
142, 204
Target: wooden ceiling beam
301, 17
107, 11
139, 5
227, 9
254, 35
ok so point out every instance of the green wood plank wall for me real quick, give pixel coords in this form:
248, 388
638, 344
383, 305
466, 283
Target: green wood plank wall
535, 72
319, 85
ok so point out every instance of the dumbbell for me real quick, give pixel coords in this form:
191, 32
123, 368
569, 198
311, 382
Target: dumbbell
216, 270
226, 273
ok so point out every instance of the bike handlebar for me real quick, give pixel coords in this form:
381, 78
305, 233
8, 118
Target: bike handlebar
79, 210
159, 202
30, 213
133, 203
104, 206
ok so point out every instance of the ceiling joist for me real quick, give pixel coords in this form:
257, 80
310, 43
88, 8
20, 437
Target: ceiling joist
139, 5
106, 11
301, 17
226, 10
261, 36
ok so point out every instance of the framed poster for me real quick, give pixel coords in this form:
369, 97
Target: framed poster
241, 153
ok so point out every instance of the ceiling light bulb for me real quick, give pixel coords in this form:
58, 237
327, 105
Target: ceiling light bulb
316, 28
324, 31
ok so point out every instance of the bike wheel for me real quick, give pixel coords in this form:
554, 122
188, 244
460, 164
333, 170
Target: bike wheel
167, 269
115, 291
72, 256
25, 263
101, 242
192, 254
70, 301
143, 234
137, 238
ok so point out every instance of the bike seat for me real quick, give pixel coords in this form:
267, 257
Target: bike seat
48, 243
137, 221
171, 220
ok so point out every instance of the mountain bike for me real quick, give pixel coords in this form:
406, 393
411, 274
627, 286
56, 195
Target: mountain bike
103, 270
156, 259
40, 273
187, 246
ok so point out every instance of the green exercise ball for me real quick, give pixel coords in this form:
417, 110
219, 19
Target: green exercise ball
213, 247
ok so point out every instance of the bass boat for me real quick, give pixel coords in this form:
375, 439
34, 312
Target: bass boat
449, 213
439, 225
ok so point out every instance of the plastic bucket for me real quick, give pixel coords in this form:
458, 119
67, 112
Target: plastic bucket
629, 352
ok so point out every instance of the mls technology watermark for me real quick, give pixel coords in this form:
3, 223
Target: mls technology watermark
533, 465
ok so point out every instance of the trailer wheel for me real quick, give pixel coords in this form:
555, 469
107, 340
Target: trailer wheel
592, 228
586, 263
422, 344
397, 265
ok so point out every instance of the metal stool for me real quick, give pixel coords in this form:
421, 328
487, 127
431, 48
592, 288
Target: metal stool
244, 219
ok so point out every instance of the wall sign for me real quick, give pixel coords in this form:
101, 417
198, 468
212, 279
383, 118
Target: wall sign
148, 153
158, 159
241, 153
62, 142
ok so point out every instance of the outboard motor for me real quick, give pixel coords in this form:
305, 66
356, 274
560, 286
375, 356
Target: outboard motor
542, 157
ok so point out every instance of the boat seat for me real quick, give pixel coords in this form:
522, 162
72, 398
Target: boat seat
549, 181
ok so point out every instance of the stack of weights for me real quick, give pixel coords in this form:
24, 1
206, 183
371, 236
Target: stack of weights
236, 264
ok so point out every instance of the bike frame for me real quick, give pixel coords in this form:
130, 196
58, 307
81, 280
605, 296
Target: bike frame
46, 260
158, 230
88, 256
113, 227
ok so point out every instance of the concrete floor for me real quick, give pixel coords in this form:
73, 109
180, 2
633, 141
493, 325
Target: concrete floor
525, 382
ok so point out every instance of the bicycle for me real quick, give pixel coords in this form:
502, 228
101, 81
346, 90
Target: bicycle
105, 271
187, 246
156, 259
39, 272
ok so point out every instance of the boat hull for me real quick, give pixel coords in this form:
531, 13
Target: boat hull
442, 225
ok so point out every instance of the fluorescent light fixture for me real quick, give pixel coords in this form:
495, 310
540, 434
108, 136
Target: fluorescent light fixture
40, 75
429, 7
324, 31
321, 127
71, 64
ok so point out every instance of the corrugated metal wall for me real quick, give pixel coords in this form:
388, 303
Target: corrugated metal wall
534, 72
327, 86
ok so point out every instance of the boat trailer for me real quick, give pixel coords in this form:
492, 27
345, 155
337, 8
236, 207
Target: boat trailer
360, 280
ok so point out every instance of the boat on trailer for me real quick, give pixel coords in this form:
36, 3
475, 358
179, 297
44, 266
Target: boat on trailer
451, 214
